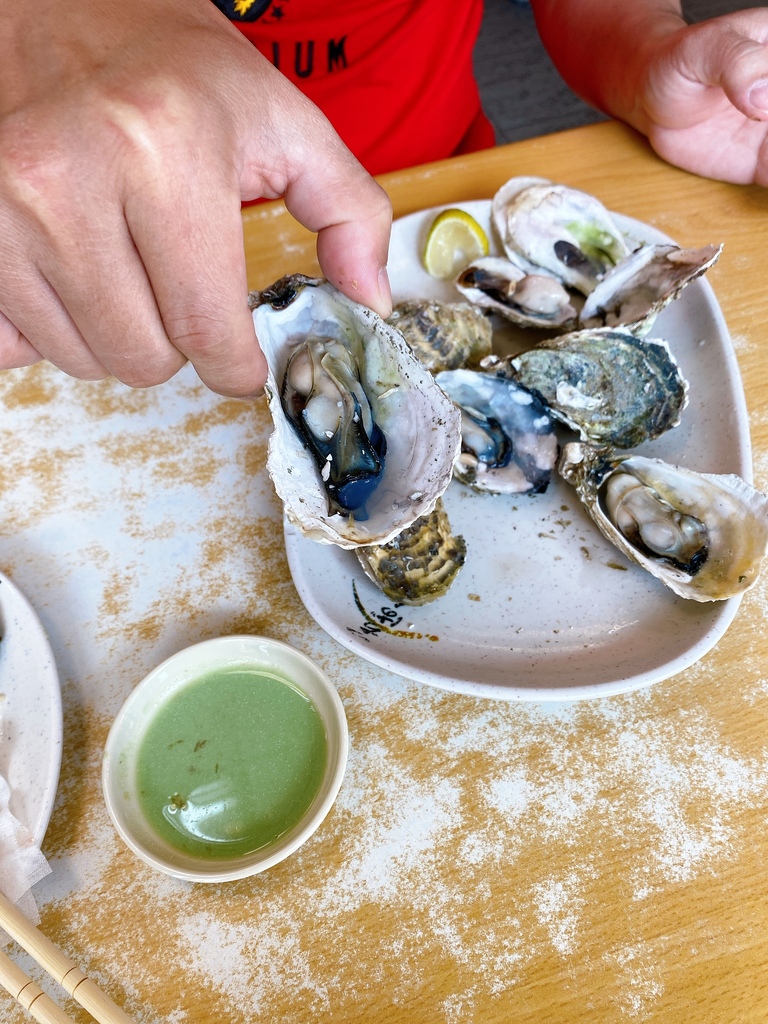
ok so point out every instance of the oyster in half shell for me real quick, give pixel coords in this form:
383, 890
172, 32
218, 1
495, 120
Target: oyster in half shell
508, 443
636, 290
420, 563
704, 536
364, 440
564, 230
443, 335
609, 385
528, 299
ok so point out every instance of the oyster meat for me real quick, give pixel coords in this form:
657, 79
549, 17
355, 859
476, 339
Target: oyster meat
364, 440
567, 232
420, 563
528, 299
324, 398
508, 443
443, 335
609, 385
703, 535
636, 290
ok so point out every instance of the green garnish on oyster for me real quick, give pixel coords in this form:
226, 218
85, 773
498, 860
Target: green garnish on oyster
567, 232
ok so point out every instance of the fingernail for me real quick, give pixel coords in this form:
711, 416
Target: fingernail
758, 97
385, 290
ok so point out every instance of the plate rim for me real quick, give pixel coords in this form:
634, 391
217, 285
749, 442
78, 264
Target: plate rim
454, 684
46, 672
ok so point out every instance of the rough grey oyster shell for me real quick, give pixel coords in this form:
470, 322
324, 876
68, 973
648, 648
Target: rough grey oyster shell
419, 426
565, 231
635, 291
704, 536
528, 299
508, 443
611, 386
420, 563
443, 335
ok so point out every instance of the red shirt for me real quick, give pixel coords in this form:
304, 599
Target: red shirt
394, 77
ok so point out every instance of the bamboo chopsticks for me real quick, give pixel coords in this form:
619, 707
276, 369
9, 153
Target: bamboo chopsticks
60, 968
29, 994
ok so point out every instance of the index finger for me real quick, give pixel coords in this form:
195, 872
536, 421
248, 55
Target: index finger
196, 265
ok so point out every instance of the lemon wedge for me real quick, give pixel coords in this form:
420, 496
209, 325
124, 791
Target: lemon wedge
454, 240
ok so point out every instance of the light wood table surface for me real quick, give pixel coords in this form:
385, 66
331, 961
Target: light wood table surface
486, 861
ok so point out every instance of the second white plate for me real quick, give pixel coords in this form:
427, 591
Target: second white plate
545, 608
30, 745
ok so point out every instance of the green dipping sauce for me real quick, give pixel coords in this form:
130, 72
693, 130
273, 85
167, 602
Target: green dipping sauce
230, 763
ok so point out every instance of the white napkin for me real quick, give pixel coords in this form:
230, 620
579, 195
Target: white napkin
21, 862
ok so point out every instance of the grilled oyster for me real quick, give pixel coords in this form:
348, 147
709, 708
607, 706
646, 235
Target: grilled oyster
563, 230
420, 563
635, 291
528, 299
364, 440
704, 536
609, 385
508, 444
443, 335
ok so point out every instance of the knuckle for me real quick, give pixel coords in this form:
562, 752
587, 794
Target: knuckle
222, 358
201, 331
141, 378
78, 363
146, 117
29, 168
138, 370
382, 204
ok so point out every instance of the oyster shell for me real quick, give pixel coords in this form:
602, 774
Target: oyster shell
564, 230
508, 444
528, 299
636, 290
420, 563
412, 427
443, 335
704, 536
609, 385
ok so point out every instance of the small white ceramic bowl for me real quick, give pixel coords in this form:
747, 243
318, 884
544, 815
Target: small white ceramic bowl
119, 777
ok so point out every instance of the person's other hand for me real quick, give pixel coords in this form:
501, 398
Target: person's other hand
129, 134
705, 97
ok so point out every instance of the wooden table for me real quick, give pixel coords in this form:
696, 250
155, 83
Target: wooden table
598, 861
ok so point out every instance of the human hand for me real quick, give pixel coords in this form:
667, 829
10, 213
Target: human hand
705, 97
129, 134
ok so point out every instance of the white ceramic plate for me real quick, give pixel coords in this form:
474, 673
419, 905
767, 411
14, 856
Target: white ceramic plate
30, 746
545, 608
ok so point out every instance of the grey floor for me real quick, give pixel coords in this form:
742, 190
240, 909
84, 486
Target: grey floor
521, 89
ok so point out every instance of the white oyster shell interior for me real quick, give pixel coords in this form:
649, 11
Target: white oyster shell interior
563, 230
732, 514
421, 425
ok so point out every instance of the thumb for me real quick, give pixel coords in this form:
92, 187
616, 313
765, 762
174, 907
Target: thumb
745, 78
352, 252
291, 149
352, 216
732, 53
